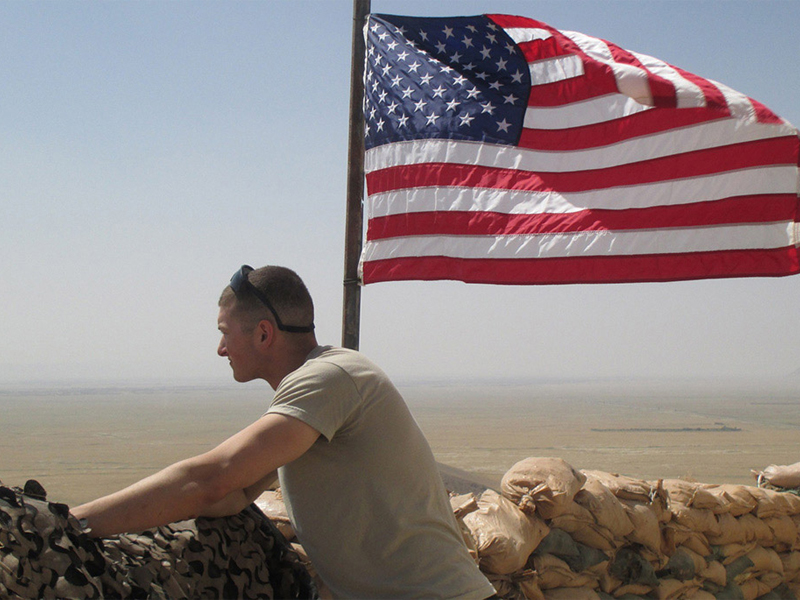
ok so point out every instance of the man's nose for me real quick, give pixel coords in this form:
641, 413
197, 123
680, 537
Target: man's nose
222, 350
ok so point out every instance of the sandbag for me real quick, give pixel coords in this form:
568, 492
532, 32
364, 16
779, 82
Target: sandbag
606, 509
731, 531
504, 536
555, 573
546, 485
784, 476
571, 593
784, 532
580, 524
756, 530
690, 494
771, 503
623, 487
702, 520
271, 504
670, 589
646, 530
733, 499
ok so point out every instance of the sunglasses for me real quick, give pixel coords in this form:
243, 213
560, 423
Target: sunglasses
239, 282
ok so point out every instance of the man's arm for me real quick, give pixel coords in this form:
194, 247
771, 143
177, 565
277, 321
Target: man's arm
187, 488
238, 500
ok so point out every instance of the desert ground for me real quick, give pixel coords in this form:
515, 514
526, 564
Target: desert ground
82, 442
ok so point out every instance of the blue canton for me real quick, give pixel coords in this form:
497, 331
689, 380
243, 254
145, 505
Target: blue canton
457, 78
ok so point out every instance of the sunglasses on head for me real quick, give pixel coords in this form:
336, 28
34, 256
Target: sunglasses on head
239, 282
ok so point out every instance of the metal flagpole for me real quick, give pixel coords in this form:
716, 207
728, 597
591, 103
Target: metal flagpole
353, 239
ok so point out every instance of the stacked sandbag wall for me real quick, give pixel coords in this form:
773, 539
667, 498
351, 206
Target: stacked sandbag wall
556, 532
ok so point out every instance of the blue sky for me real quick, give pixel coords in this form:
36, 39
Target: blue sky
147, 149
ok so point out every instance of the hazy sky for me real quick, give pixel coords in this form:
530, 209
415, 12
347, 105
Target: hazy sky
148, 149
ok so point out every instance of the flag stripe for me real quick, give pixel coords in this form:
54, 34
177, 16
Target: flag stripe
747, 209
690, 164
588, 243
598, 269
699, 137
766, 181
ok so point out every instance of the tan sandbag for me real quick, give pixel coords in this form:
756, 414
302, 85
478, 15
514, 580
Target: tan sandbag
669, 589
690, 494
756, 530
609, 583
579, 523
784, 531
731, 552
732, 498
624, 487
674, 535
546, 485
504, 536
646, 529
731, 531
784, 476
771, 579
555, 573
770, 503
583, 593
791, 564
715, 572
528, 585
635, 589
606, 509
700, 594
752, 589
765, 560
696, 519
463, 504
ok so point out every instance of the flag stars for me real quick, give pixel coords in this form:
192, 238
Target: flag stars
466, 120
488, 107
459, 80
491, 37
426, 79
503, 126
452, 105
402, 56
467, 41
418, 106
392, 45
501, 64
456, 57
510, 99
407, 92
486, 53
517, 77
401, 122
448, 32
439, 92
396, 81
392, 107
414, 66
431, 118
441, 47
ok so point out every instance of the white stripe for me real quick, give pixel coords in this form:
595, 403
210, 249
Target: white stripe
527, 34
702, 136
761, 180
587, 112
739, 104
551, 70
586, 243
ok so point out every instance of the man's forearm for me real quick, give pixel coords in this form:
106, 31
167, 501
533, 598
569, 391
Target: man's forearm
173, 494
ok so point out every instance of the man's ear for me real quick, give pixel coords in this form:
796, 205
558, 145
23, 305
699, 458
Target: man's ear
265, 332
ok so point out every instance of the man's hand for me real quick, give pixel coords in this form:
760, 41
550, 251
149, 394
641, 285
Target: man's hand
191, 487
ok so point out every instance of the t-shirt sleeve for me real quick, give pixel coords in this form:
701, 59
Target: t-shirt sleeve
321, 395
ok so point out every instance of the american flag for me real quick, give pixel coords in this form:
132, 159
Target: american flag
502, 150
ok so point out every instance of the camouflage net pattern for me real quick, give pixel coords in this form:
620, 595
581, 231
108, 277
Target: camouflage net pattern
44, 553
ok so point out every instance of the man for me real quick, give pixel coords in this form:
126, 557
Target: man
359, 479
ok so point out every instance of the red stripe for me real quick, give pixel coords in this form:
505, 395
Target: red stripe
744, 209
715, 99
681, 166
618, 130
603, 269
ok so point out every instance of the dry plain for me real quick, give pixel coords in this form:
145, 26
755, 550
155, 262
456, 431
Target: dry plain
81, 442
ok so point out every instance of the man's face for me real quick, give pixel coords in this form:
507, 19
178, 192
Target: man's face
238, 346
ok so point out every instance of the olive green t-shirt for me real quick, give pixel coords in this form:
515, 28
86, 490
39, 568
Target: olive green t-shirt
367, 501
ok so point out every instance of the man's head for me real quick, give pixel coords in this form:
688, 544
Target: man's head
276, 294
267, 323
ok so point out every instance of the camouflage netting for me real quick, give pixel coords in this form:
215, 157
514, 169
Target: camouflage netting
44, 553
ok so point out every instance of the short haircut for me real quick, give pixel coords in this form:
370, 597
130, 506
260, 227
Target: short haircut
283, 288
